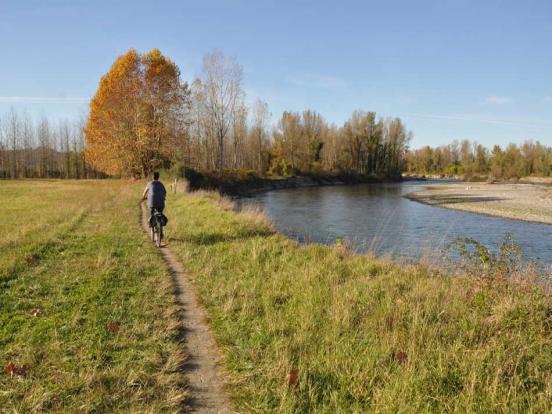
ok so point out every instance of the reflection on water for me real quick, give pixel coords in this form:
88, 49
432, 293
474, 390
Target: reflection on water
377, 218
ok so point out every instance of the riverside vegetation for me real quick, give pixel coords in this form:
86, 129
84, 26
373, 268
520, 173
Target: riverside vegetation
88, 320
474, 161
317, 329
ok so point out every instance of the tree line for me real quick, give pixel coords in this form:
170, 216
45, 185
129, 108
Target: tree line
39, 148
143, 117
471, 159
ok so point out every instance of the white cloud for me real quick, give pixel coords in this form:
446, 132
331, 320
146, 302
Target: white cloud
318, 81
476, 118
406, 99
498, 100
43, 99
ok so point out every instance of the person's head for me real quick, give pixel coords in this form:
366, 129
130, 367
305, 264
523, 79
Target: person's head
156, 175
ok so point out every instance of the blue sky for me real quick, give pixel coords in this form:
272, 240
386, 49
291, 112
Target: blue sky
479, 70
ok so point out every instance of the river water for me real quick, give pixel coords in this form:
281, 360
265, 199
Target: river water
377, 218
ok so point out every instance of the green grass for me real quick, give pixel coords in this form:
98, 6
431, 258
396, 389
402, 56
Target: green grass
364, 335
87, 314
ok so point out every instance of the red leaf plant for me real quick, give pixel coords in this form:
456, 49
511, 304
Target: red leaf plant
401, 357
12, 370
293, 377
113, 327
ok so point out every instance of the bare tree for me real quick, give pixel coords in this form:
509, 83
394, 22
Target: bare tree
3, 151
64, 136
12, 133
223, 94
239, 134
261, 118
43, 132
28, 144
81, 168
197, 154
287, 138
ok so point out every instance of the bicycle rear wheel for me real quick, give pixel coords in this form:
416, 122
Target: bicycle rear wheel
159, 234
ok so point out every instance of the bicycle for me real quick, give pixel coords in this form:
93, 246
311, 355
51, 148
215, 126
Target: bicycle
157, 228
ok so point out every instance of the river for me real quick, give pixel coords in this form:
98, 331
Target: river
377, 218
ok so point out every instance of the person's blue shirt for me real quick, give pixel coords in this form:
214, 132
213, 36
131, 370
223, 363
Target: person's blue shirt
156, 194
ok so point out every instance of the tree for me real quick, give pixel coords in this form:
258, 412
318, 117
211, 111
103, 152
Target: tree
44, 147
333, 157
223, 95
314, 131
239, 135
12, 132
201, 131
466, 157
380, 147
354, 132
513, 163
261, 117
529, 158
3, 152
394, 147
136, 115
481, 159
287, 138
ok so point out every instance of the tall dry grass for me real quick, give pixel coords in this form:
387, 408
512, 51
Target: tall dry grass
320, 329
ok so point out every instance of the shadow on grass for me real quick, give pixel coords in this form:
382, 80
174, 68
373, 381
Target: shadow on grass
208, 239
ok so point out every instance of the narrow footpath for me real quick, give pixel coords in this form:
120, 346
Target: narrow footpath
205, 383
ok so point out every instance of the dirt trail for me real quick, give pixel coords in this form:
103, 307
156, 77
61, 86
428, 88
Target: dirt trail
205, 382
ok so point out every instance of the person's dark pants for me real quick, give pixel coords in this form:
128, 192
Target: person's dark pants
152, 213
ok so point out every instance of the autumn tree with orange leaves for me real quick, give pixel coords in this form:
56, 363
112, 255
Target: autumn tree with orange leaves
137, 117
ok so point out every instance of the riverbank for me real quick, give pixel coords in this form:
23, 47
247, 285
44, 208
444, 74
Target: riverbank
528, 202
311, 328
244, 184
430, 177
476, 179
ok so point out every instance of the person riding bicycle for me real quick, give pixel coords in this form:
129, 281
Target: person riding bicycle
155, 193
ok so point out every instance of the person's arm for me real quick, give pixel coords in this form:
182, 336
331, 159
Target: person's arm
164, 191
145, 195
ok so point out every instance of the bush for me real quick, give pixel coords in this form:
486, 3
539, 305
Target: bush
477, 259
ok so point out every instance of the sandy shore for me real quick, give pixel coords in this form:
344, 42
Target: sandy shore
529, 202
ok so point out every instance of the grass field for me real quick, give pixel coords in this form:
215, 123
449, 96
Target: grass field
88, 321
316, 329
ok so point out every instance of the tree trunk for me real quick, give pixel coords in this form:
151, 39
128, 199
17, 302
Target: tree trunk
221, 154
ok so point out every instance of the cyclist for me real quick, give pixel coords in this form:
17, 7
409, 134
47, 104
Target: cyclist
155, 193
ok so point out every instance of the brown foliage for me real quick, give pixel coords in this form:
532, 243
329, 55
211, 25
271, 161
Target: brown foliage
136, 115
